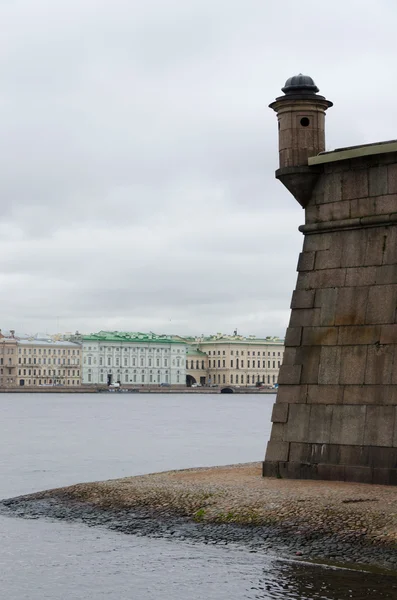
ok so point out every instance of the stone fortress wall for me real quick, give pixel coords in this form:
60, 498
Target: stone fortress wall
335, 415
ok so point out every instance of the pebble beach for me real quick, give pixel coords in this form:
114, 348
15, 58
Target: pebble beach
343, 523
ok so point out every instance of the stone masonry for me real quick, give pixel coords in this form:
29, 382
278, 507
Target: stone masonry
335, 416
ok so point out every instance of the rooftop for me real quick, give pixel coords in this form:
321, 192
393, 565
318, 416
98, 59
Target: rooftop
221, 338
130, 336
47, 342
354, 152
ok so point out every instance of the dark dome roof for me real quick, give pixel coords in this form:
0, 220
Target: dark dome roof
300, 83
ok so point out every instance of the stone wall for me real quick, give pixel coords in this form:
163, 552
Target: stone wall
336, 411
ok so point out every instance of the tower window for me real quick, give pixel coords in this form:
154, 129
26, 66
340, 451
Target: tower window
305, 122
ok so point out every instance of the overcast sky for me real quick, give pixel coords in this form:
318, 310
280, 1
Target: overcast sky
137, 154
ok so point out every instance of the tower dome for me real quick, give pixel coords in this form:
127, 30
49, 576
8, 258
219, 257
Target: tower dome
300, 84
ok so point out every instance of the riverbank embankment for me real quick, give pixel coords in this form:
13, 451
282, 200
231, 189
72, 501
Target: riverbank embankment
155, 389
341, 522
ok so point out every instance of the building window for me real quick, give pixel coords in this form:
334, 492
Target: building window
231, 378
274, 364
219, 364
236, 378
223, 378
231, 364
268, 364
253, 364
278, 364
248, 364
89, 377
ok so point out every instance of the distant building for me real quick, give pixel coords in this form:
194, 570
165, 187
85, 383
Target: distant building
133, 359
196, 366
8, 360
235, 360
42, 361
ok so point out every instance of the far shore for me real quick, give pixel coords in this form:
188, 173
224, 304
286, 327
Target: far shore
87, 389
342, 523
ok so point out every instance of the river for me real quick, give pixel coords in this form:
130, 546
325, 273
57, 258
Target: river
50, 440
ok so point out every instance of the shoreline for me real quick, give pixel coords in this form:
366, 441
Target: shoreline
131, 390
342, 523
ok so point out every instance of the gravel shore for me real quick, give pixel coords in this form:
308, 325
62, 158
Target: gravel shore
339, 522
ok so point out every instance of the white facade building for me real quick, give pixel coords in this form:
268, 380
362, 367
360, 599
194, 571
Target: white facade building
132, 359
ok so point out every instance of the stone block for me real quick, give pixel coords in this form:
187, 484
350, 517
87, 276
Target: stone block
369, 394
320, 424
359, 276
354, 455
304, 317
379, 457
352, 365
379, 364
384, 476
277, 432
289, 357
390, 246
277, 451
379, 425
355, 184
382, 300
312, 214
354, 248
306, 261
318, 241
328, 454
390, 391
303, 299
291, 394
348, 423
388, 334
324, 394
359, 334
351, 306
333, 211
289, 374
375, 247
329, 189
293, 336
294, 470
325, 278
386, 274
330, 365
319, 336
280, 412
385, 205
300, 452
328, 259
270, 469
297, 426
326, 300
331, 472
378, 180
358, 474
362, 207
392, 179
309, 358
395, 429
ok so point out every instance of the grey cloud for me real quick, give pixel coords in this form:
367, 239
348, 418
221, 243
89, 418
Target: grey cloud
137, 154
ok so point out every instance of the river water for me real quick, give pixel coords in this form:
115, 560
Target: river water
50, 440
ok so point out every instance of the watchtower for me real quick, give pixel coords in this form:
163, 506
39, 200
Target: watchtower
335, 415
